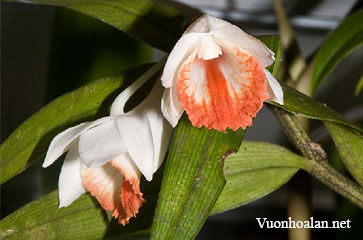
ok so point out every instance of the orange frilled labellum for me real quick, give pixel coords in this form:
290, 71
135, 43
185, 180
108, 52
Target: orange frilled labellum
224, 92
116, 188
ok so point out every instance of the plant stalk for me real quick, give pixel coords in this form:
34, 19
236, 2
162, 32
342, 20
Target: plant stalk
317, 163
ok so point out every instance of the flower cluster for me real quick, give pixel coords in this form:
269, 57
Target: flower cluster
216, 73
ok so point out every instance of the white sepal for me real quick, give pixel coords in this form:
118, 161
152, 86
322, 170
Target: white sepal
143, 133
136, 134
186, 45
100, 144
118, 104
160, 129
70, 182
63, 141
170, 106
274, 89
226, 33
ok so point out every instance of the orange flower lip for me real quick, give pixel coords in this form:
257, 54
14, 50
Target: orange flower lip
216, 74
229, 97
116, 185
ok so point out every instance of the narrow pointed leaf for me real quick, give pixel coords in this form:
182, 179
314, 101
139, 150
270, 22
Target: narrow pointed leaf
299, 103
273, 42
257, 169
350, 147
83, 219
31, 139
38, 218
193, 179
154, 22
343, 40
255, 162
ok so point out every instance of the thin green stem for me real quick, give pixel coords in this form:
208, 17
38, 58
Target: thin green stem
316, 163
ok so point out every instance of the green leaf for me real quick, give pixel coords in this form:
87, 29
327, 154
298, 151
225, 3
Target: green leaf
257, 169
154, 22
255, 162
30, 140
299, 103
193, 179
344, 39
350, 147
273, 42
83, 219
41, 219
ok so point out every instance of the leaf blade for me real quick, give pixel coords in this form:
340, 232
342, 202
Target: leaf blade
154, 22
299, 103
30, 140
83, 219
257, 169
192, 181
344, 39
86, 219
350, 147
82, 211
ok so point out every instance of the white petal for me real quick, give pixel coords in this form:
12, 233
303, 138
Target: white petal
205, 24
274, 89
101, 144
208, 48
70, 181
226, 33
118, 105
160, 129
63, 141
186, 45
145, 133
136, 134
161, 133
170, 106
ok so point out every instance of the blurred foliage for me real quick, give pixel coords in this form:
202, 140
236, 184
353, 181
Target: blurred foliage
344, 39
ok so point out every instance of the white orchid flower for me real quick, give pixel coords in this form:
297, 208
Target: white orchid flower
105, 157
216, 73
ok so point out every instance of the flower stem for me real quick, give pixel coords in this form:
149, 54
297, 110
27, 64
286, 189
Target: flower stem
317, 163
